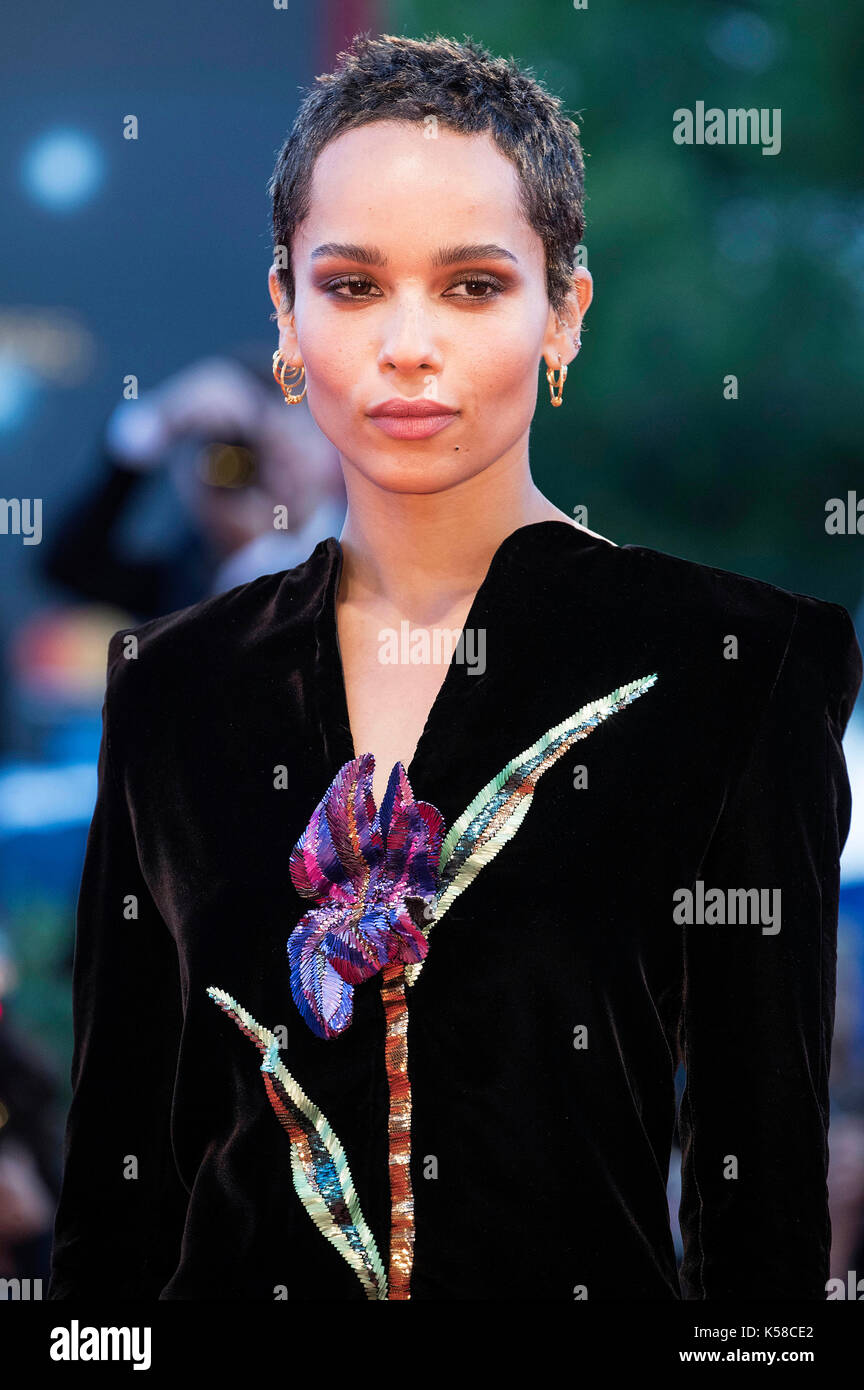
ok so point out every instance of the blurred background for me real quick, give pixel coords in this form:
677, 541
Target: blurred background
135, 148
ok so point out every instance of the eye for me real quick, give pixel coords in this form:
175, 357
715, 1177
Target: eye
356, 285
488, 282
351, 281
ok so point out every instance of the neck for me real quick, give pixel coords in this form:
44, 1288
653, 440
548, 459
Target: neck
424, 552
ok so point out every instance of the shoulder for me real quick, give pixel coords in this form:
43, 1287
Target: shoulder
812, 641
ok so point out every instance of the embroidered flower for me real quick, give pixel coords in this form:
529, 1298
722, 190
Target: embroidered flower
371, 874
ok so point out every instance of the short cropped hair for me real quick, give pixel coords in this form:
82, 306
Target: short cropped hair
467, 89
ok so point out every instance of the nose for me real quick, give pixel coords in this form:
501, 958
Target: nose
409, 337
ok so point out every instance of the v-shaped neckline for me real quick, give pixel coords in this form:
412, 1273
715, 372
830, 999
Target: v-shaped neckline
333, 692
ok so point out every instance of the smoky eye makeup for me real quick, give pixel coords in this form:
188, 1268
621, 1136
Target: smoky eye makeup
481, 287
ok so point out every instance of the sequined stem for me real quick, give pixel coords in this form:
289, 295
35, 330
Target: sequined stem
399, 1130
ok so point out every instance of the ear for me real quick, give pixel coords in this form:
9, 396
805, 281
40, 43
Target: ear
561, 342
288, 344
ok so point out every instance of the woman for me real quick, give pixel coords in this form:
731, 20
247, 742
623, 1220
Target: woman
388, 952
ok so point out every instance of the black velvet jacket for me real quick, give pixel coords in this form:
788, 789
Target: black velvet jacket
520, 1147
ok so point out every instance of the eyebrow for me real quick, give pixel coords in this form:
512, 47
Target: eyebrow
446, 255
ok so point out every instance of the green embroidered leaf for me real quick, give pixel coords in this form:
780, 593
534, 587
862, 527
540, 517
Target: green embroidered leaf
498, 810
319, 1166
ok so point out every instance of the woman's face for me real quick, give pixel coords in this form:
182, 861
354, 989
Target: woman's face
392, 302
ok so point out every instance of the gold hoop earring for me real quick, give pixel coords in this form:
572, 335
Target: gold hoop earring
557, 385
279, 374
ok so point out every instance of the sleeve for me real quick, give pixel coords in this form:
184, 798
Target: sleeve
757, 1012
84, 552
122, 1205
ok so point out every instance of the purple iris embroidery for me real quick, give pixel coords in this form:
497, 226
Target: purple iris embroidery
372, 875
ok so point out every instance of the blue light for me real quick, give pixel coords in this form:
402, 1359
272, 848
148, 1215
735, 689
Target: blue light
62, 169
17, 395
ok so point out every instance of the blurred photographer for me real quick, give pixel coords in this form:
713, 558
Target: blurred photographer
256, 489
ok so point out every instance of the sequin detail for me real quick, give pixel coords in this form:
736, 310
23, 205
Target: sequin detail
319, 1166
370, 874
399, 1131
496, 812
374, 876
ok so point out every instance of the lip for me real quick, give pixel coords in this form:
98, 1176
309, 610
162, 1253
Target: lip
405, 419
412, 426
399, 406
